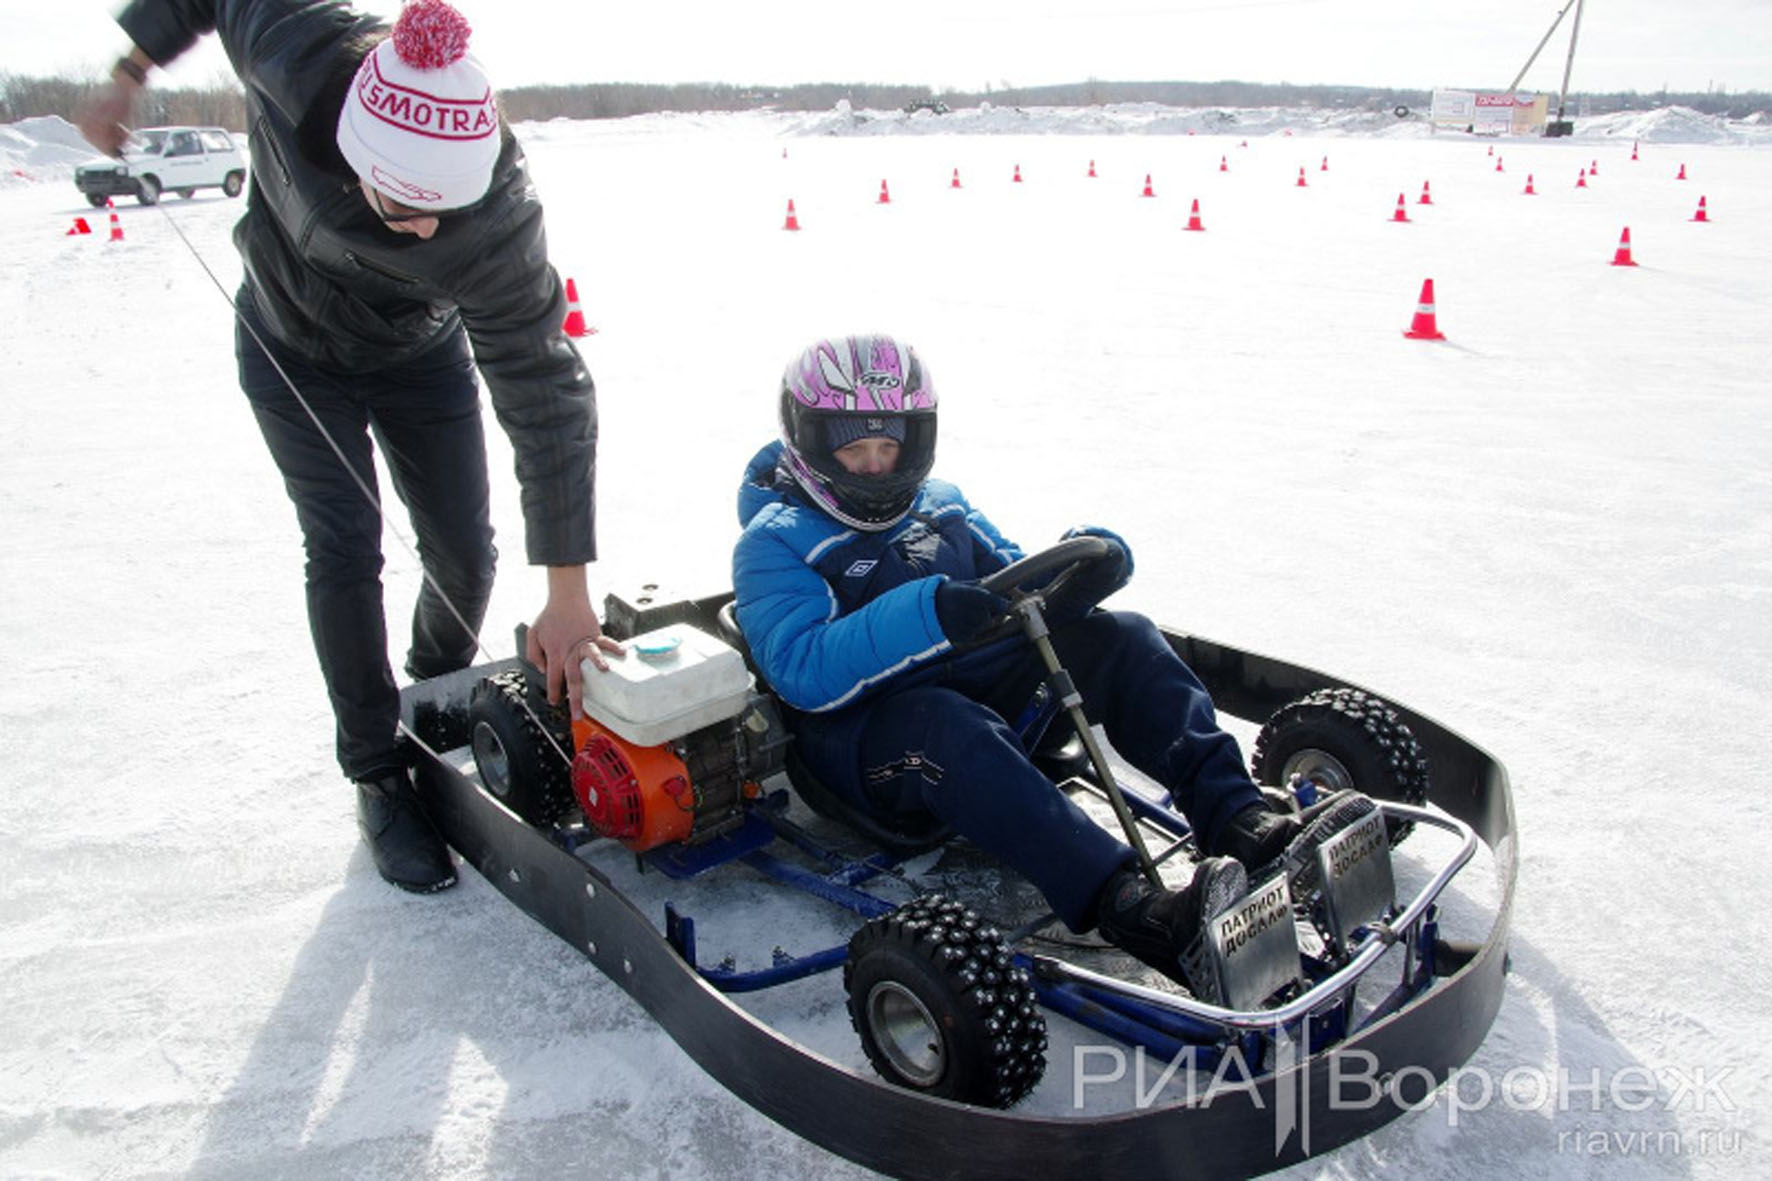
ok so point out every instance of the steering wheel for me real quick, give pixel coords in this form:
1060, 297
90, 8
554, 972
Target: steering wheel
1053, 574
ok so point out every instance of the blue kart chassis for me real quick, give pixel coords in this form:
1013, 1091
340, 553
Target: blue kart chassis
1430, 1024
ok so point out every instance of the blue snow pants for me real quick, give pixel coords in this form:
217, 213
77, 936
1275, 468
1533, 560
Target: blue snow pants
941, 744
425, 416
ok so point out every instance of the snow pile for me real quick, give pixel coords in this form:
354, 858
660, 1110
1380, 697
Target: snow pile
43, 148
1678, 125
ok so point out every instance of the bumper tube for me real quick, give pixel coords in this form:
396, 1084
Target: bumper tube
1246, 1128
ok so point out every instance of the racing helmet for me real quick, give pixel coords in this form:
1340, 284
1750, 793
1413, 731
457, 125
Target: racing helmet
846, 388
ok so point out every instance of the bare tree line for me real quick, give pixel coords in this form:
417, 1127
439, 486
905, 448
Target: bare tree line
23, 97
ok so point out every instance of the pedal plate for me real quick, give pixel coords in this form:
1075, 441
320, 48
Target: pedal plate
1254, 946
1359, 886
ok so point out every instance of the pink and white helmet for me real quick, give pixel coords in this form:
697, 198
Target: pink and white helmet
852, 387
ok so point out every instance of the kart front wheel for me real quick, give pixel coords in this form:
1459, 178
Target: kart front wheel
1340, 739
510, 730
941, 1007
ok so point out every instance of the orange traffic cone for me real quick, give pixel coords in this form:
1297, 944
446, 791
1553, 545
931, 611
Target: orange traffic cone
885, 197
955, 183
793, 223
1701, 215
1147, 186
1593, 168
116, 228
1682, 175
1325, 167
1092, 168
1425, 326
1193, 219
1633, 149
1244, 144
1529, 190
1426, 197
1623, 258
1017, 177
79, 227
1302, 184
1581, 180
1491, 149
1402, 213
574, 324
1498, 167
1223, 164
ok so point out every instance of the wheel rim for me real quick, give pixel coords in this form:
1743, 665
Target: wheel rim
492, 759
906, 1033
1318, 766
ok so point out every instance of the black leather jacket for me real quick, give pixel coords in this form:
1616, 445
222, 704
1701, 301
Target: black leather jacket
347, 293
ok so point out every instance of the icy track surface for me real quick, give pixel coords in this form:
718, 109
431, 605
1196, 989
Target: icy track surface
1552, 531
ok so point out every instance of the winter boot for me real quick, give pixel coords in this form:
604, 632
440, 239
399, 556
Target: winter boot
1167, 928
1259, 837
406, 848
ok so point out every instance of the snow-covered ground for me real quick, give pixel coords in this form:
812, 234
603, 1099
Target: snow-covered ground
1552, 531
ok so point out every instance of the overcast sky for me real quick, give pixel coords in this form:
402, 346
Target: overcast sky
1644, 45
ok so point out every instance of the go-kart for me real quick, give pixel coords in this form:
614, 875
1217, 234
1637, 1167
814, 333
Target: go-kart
683, 760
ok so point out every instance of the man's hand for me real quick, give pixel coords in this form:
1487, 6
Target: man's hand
565, 633
105, 117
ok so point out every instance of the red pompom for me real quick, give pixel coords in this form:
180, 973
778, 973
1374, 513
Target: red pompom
430, 35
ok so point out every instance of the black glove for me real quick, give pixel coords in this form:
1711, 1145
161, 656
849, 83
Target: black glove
1091, 586
965, 609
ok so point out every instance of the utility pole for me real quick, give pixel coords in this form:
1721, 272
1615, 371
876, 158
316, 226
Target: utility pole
1560, 125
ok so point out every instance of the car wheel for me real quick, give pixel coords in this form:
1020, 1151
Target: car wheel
941, 1007
234, 183
1344, 738
517, 761
147, 190
96, 201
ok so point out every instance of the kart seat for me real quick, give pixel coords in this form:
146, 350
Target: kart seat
900, 835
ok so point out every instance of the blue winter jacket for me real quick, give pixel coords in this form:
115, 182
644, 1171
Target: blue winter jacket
833, 613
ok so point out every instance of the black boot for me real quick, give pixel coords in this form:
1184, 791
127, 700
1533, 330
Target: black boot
1167, 928
406, 848
1261, 838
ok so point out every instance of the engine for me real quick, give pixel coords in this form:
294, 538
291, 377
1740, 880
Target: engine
673, 742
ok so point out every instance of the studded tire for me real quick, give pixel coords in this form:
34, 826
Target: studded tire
1344, 738
517, 762
941, 1007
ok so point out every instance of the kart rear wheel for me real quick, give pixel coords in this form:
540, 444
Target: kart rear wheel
1340, 739
517, 762
941, 1007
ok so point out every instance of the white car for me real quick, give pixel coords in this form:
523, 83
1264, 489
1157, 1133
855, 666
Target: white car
166, 159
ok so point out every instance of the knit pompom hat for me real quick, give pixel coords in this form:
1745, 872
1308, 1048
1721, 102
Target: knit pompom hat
420, 123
